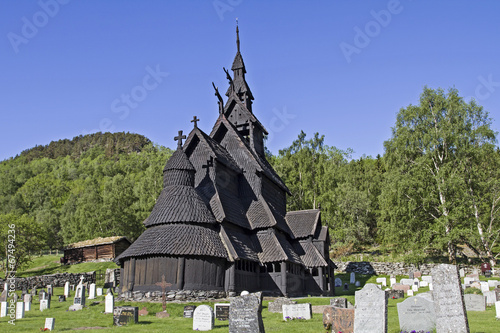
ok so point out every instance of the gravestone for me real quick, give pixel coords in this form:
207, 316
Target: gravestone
27, 298
448, 300
382, 280
221, 311
352, 278
427, 295
92, 291
338, 320
19, 310
431, 287
424, 284
484, 286
3, 296
245, 314
491, 297
461, 271
50, 291
203, 318
399, 286
3, 309
475, 302
417, 274
416, 282
143, 312
99, 291
370, 310
416, 314
163, 285
122, 315
110, 278
410, 276
277, 305
79, 300
188, 311
66, 289
407, 282
487, 274
297, 311
338, 282
414, 288
49, 323
357, 284
109, 302
392, 281
346, 287
409, 293
427, 278
27, 306
395, 294
339, 302
44, 300
34, 292
493, 283
468, 280
497, 292
62, 298
497, 309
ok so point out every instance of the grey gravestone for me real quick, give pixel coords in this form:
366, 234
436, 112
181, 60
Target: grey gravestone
338, 320
62, 298
416, 314
410, 276
461, 271
338, 282
245, 314
110, 278
475, 302
497, 292
407, 282
79, 300
221, 311
277, 305
339, 302
297, 311
491, 297
448, 300
353, 278
122, 315
188, 311
203, 318
395, 294
370, 310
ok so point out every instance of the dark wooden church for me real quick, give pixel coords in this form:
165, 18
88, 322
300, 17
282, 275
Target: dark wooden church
220, 222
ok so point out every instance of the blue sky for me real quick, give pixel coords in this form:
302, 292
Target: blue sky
340, 68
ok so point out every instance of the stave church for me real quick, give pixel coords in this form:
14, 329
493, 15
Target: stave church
220, 222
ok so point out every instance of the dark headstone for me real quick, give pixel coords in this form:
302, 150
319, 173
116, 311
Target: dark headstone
395, 294
122, 315
188, 311
416, 314
485, 267
339, 302
346, 287
62, 298
338, 320
221, 311
487, 274
245, 314
448, 300
371, 310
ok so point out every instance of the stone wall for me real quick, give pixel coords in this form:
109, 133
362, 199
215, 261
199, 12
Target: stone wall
173, 296
391, 268
55, 280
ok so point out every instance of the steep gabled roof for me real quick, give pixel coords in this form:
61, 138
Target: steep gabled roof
323, 235
275, 247
309, 254
176, 239
233, 210
303, 223
260, 163
238, 244
259, 215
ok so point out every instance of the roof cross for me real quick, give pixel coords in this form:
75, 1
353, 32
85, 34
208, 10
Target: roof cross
164, 284
179, 140
195, 121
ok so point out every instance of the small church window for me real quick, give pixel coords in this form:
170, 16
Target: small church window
277, 267
315, 271
270, 267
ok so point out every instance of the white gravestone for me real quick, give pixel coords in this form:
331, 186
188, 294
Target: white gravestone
497, 307
297, 311
407, 282
3, 309
392, 281
109, 302
49, 323
382, 280
431, 287
370, 314
493, 283
491, 297
427, 278
409, 293
203, 318
424, 284
468, 280
416, 314
44, 304
353, 278
414, 288
27, 306
416, 281
19, 310
92, 291
484, 287
99, 291
66, 289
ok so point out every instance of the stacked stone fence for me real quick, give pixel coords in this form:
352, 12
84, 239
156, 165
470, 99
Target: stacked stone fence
55, 280
391, 268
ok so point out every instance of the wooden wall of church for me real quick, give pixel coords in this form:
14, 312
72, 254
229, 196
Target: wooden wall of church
204, 274
274, 195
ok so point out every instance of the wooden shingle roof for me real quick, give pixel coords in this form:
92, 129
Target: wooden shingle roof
96, 241
303, 223
179, 161
275, 247
239, 244
176, 240
309, 254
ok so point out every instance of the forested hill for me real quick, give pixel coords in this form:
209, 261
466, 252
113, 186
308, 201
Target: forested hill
112, 143
97, 185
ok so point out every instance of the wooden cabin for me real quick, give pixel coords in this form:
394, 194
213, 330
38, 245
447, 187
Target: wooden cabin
107, 248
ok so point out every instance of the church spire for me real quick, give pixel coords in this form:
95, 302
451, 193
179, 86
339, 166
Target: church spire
237, 36
239, 84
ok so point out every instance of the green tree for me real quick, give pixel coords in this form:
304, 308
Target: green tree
433, 147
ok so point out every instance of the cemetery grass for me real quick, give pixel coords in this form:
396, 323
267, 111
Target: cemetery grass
49, 264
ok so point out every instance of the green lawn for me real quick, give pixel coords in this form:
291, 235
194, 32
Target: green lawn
93, 316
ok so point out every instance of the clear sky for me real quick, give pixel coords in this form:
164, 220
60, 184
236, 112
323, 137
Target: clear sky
340, 68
